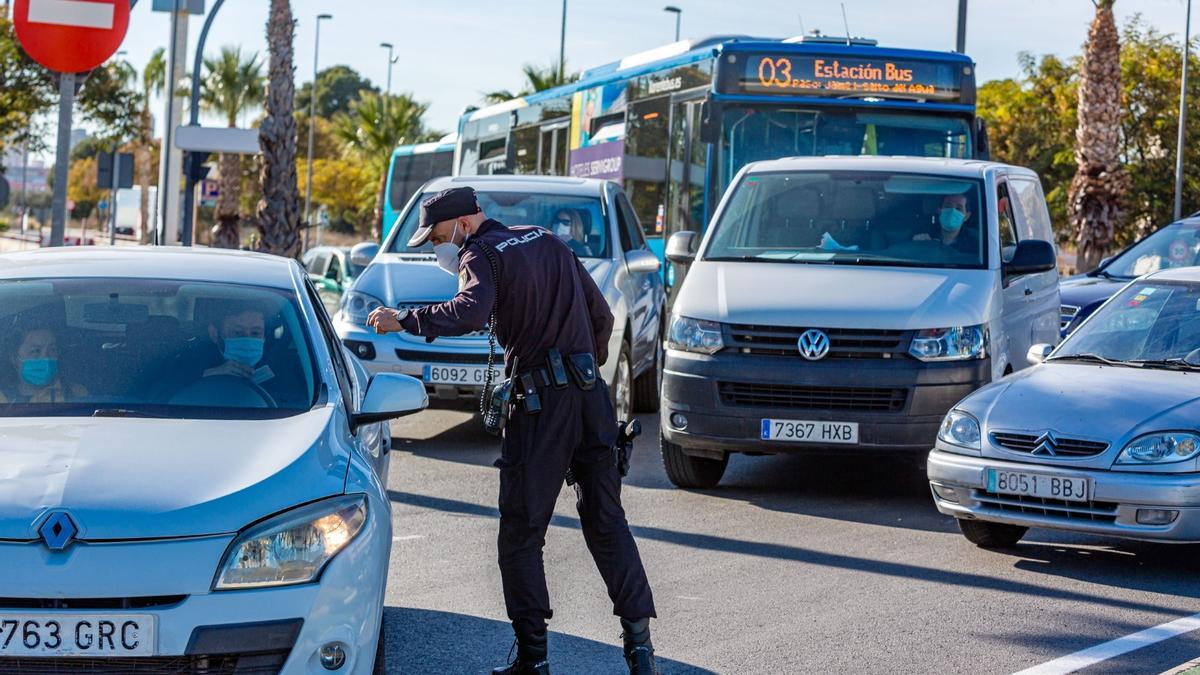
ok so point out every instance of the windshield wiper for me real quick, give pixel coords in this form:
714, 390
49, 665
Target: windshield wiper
1175, 363
124, 412
1093, 357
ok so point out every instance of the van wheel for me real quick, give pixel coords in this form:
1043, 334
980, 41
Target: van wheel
686, 471
991, 535
647, 388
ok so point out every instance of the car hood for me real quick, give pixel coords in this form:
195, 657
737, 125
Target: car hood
785, 294
149, 478
1083, 290
1090, 401
396, 278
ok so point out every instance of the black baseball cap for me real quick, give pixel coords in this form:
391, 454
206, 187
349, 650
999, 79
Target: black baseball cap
445, 205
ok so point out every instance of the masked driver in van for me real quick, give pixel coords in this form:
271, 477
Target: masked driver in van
952, 218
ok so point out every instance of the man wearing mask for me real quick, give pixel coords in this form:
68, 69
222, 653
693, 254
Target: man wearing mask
545, 305
238, 338
952, 218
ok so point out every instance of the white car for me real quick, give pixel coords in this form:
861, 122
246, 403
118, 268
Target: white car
191, 471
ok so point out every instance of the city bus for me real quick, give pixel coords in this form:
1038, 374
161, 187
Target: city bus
411, 167
674, 124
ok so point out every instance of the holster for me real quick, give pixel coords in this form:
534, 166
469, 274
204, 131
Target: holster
497, 405
583, 370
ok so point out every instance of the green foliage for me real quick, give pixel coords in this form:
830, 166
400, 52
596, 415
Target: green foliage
233, 84
537, 78
339, 87
111, 100
26, 90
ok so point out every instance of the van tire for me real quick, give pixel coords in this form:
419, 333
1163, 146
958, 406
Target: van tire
647, 387
991, 535
687, 472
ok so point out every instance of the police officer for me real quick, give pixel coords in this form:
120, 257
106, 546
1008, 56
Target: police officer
550, 318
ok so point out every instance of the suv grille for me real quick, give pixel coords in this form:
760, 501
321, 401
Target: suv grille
263, 663
844, 343
1094, 512
812, 398
1048, 445
441, 357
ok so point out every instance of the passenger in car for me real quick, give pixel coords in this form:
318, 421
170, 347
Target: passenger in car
568, 226
34, 375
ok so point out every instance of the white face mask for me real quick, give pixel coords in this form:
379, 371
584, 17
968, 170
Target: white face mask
447, 254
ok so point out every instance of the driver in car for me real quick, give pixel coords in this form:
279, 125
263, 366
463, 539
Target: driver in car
238, 339
952, 218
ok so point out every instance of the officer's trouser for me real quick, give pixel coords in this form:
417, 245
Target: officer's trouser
575, 429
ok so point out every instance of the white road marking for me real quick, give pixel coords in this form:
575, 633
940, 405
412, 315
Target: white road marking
408, 537
72, 13
687, 597
1114, 648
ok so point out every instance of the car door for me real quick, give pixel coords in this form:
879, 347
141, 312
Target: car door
644, 290
1033, 222
1016, 311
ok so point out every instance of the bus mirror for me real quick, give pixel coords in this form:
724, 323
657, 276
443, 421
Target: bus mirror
983, 149
708, 125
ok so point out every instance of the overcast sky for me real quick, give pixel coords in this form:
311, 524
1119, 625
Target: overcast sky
451, 51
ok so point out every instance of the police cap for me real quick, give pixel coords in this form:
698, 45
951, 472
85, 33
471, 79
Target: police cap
445, 205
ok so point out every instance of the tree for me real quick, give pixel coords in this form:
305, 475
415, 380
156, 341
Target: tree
279, 208
26, 91
339, 87
1094, 203
344, 186
372, 135
536, 79
110, 99
232, 85
154, 80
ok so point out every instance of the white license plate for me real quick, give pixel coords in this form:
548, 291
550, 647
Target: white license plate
802, 431
84, 635
465, 375
1046, 486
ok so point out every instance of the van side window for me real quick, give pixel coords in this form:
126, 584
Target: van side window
1008, 228
1033, 220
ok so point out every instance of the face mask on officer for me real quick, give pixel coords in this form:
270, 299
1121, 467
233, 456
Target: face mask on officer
447, 252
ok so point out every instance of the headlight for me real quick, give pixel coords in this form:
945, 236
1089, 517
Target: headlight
950, 344
1161, 448
959, 428
357, 306
690, 335
293, 547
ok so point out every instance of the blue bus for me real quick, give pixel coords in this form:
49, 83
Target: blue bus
410, 168
673, 125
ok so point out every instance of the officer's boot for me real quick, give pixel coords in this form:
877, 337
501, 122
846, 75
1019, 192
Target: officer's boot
531, 657
639, 653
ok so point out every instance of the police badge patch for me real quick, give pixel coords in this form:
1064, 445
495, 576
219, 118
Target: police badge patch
462, 280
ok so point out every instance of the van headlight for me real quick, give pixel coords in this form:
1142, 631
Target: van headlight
357, 306
692, 335
961, 429
1161, 448
292, 547
950, 344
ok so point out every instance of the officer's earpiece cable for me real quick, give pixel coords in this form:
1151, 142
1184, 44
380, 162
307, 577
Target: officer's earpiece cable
489, 379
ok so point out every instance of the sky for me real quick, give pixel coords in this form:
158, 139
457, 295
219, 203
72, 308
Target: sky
450, 51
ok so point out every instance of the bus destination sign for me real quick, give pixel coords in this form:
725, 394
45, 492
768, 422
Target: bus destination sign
838, 76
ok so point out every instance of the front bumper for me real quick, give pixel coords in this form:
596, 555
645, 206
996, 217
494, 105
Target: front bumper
266, 627
725, 398
1112, 511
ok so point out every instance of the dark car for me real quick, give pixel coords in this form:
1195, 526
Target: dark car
1176, 245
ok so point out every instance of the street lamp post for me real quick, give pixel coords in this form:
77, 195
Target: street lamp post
678, 14
1187, 24
562, 43
391, 60
312, 117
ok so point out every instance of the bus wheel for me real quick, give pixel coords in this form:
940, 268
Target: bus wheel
686, 471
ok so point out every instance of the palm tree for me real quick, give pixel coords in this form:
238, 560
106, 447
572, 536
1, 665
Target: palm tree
232, 85
537, 79
154, 79
1094, 201
374, 127
279, 208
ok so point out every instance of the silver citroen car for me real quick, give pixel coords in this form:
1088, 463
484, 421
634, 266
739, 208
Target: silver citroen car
1102, 437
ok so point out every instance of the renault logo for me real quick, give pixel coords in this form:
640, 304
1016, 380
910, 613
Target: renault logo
58, 531
814, 345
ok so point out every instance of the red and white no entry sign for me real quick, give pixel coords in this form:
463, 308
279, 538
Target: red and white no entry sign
71, 36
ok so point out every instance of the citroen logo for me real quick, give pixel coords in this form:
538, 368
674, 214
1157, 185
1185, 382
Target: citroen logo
814, 345
58, 531
1045, 446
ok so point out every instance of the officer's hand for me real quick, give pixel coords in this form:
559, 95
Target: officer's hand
235, 368
383, 320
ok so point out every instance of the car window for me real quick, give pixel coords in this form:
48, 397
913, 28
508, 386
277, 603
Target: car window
153, 347
1033, 220
630, 227
1176, 245
341, 369
1147, 320
335, 269
318, 263
1008, 227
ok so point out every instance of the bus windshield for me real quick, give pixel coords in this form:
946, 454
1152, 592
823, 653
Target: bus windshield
752, 134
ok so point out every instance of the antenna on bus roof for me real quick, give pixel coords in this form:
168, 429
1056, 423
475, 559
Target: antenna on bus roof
801, 19
846, 23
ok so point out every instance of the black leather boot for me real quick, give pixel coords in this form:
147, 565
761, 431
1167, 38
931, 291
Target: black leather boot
531, 657
639, 653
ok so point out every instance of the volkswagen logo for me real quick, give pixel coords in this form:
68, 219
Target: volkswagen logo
814, 345
58, 531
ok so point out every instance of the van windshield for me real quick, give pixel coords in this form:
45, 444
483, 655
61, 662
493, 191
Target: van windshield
854, 218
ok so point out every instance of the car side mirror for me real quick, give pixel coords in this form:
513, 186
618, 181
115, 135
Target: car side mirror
1031, 257
642, 262
1038, 353
1104, 263
363, 253
390, 396
681, 247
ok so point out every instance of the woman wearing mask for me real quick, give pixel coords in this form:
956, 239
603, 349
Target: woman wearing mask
35, 368
568, 227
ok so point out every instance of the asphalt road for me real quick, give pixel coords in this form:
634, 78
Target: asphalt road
794, 565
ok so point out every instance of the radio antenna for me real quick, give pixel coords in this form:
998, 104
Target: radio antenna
846, 23
800, 17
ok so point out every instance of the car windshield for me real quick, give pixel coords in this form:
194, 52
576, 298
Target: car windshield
1176, 245
853, 218
152, 348
1148, 321
578, 221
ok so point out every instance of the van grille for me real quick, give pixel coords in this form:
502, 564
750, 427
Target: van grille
1046, 445
862, 399
844, 343
1093, 512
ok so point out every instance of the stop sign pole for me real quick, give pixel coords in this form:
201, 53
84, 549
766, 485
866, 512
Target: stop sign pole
68, 37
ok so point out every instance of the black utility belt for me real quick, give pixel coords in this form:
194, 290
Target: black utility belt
558, 373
